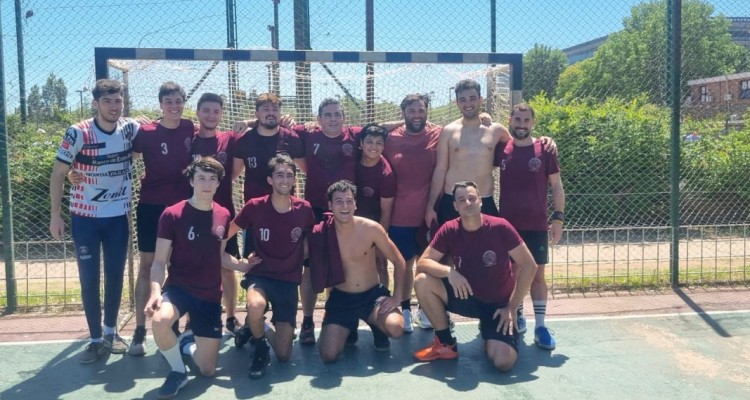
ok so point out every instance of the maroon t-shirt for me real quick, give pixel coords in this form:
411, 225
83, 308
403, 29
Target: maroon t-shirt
374, 183
481, 256
166, 153
278, 237
256, 151
524, 176
412, 159
220, 147
329, 160
196, 235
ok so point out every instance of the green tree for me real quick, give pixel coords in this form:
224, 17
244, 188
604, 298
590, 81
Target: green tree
34, 102
542, 66
633, 61
54, 93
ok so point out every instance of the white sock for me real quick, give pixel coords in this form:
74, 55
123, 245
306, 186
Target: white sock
174, 358
109, 330
540, 310
189, 349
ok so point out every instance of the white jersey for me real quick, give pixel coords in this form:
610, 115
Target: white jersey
104, 160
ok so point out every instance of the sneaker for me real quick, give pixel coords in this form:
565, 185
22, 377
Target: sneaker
381, 341
242, 336
92, 352
421, 319
231, 325
437, 350
307, 335
352, 338
260, 359
174, 382
544, 338
137, 345
408, 322
115, 343
520, 322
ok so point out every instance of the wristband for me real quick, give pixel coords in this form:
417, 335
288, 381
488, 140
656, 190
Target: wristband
557, 216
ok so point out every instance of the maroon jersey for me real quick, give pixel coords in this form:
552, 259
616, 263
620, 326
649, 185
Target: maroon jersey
220, 147
256, 151
413, 159
329, 160
278, 237
374, 183
196, 235
524, 176
481, 256
166, 153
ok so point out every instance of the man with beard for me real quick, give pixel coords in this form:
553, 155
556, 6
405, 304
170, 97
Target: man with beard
526, 168
100, 149
211, 142
465, 151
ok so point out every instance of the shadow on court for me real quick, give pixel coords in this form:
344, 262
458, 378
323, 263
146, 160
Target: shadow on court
681, 356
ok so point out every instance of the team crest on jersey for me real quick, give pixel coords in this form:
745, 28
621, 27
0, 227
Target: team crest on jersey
221, 157
220, 232
535, 164
296, 234
489, 258
347, 149
83, 253
368, 191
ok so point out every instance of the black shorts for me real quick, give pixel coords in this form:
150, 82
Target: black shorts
205, 316
248, 246
281, 295
147, 225
346, 309
538, 244
474, 308
447, 211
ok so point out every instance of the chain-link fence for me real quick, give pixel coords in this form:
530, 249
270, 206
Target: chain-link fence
597, 74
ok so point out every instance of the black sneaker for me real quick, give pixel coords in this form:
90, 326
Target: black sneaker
381, 341
137, 346
351, 340
261, 358
242, 336
231, 325
174, 382
307, 335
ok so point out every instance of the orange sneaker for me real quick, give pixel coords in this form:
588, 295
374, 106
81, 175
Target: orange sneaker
437, 350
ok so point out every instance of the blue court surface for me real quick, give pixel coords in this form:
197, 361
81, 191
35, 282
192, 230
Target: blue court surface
675, 356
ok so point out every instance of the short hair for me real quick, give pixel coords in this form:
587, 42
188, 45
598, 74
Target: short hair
267, 98
468, 84
170, 87
209, 97
329, 102
280, 159
106, 86
465, 185
372, 130
341, 186
205, 163
413, 98
522, 107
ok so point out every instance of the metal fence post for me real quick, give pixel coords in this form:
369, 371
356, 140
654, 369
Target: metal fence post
8, 252
674, 15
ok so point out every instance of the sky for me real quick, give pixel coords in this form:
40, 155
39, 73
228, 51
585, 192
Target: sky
61, 35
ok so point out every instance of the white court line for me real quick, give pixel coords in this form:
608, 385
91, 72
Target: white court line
574, 319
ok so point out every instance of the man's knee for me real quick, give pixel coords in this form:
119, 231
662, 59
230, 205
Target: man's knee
207, 370
328, 354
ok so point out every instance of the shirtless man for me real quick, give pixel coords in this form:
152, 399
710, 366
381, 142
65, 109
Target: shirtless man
360, 296
465, 151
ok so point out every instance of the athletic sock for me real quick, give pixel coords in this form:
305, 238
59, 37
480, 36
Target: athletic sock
307, 322
109, 330
445, 336
189, 348
174, 359
540, 310
406, 305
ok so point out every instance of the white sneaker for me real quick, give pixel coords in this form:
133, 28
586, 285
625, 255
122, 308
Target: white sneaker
408, 322
421, 320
